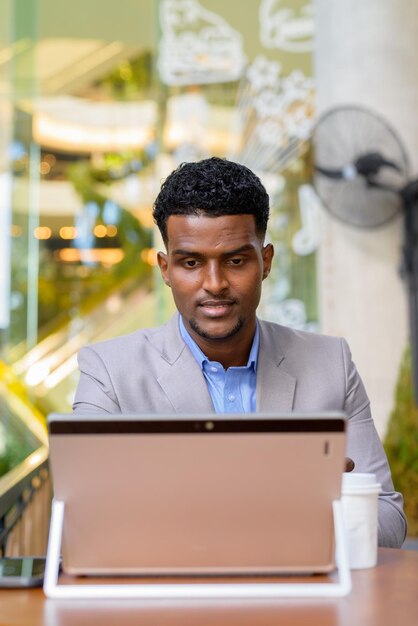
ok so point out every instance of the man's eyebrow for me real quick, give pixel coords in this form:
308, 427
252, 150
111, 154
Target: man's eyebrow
248, 247
245, 248
181, 252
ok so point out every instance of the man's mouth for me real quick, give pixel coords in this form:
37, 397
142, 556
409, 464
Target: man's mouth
216, 308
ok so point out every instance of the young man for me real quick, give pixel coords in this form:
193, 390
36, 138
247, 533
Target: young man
215, 355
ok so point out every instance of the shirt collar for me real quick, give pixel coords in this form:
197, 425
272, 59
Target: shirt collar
201, 358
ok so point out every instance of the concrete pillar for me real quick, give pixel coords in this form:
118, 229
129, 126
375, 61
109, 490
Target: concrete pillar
366, 53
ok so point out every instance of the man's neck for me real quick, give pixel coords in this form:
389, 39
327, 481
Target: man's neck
230, 352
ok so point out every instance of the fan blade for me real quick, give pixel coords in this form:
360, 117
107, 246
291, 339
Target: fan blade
371, 163
348, 172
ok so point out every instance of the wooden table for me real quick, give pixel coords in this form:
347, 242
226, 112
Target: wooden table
383, 596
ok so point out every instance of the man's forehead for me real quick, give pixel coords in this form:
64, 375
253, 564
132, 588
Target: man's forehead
203, 227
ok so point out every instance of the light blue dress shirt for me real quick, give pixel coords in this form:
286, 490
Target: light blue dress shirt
232, 390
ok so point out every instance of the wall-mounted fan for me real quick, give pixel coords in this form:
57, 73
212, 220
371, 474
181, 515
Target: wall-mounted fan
362, 179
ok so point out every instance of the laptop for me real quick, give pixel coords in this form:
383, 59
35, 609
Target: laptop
197, 494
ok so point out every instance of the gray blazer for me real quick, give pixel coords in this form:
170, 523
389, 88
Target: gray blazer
153, 371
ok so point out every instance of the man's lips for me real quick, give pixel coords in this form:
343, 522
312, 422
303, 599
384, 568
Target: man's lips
216, 308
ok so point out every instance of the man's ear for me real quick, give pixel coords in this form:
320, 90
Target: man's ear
268, 254
163, 265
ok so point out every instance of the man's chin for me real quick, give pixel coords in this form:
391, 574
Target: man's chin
213, 334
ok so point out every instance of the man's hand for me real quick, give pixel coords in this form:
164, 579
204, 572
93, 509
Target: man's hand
349, 464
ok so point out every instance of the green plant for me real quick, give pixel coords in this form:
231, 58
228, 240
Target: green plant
401, 443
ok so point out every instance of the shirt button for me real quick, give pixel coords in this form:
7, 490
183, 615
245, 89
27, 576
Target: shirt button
213, 369
231, 397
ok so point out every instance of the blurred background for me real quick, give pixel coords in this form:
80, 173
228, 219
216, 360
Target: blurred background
99, 101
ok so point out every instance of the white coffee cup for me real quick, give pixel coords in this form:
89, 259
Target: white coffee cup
359, 504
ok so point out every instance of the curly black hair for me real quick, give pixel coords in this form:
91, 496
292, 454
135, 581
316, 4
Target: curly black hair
212, 187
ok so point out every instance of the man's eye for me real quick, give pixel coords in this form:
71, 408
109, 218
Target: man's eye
190, 263
236, 261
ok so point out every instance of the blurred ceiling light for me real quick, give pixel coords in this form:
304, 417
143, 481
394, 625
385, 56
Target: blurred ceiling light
100, 230
50, 159
68, 232
16, 230
71, 124
44, 168
42, 232
149, 255
106, 256
112, 230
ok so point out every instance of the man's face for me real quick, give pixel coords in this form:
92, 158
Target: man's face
215, 267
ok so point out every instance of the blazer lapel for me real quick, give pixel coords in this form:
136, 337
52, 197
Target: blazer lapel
181, 377
275, 387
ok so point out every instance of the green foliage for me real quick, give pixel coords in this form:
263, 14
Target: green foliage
401, 443
132, 78
17, 441
14, 452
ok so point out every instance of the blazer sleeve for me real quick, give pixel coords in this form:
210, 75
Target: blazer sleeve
366, 450
95, 393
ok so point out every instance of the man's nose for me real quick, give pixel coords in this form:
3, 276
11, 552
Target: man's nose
214, 280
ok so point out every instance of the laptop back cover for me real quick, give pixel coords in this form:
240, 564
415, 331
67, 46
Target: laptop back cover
197, 494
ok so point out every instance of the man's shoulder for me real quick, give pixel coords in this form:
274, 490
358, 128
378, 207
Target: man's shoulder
120, 342
304, 353
285, 335
125, 344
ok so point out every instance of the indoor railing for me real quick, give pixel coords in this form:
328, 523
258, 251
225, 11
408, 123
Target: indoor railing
25, 490
25, 506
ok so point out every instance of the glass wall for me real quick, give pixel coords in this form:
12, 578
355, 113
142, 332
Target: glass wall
81, 141
98, 103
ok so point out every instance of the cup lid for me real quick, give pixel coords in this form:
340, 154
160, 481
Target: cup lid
359, 482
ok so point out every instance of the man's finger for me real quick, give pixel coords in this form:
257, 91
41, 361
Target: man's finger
349, 464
